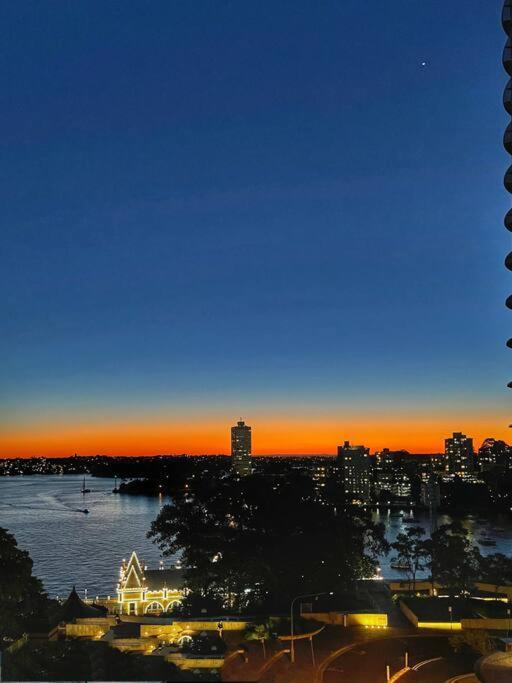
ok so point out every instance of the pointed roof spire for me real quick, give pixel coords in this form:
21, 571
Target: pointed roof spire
75, 608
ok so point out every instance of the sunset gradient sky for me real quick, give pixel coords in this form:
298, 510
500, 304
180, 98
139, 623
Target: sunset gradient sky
270, 210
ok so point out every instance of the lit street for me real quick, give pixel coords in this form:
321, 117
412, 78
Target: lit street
367, 662
359, 657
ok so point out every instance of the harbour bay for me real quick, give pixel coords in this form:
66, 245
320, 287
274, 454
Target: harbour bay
68, 547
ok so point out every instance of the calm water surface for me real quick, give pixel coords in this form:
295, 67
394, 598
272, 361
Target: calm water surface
71, 548
498, 529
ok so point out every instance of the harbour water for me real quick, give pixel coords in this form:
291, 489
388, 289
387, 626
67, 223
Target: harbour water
497, 531
70, 548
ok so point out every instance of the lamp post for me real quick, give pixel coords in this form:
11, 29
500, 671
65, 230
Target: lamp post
300, 597
450, 610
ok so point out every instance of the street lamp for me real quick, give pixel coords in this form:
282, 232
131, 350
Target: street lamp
450, 610
300, 597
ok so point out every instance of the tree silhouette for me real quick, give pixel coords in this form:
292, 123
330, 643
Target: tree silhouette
412, 552
257, 542
453, 559
261, 632
24, 606
497, 569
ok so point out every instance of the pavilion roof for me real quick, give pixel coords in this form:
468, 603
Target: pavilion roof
76, 608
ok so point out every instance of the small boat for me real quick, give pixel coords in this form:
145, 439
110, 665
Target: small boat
85, 511
85, 490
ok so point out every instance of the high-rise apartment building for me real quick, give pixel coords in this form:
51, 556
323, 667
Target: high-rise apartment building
459, 455
241, 448
390, 478
354, 464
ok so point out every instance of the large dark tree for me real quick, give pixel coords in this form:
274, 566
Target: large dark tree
257, 542
411, 552
24, 606
454, 560
496, 569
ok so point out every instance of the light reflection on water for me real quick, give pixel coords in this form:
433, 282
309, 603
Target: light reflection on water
69, 547
497, 528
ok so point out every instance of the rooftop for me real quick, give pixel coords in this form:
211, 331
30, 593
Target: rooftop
75, 608
436, 609
164, 578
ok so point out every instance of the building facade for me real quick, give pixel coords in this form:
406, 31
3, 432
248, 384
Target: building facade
430, 492
319, 475
354, 463
459, 455
394, 482
391, 479
148, 591
241, 448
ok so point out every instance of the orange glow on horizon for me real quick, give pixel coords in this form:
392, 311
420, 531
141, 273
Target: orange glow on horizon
270, 436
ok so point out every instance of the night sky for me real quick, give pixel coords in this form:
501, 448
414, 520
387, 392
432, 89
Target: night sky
285, 211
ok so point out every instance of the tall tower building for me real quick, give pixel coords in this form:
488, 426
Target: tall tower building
460, 457
354, 463
241, 448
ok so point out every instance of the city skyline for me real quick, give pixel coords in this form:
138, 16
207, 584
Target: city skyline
290, 433
255, 374
203, 217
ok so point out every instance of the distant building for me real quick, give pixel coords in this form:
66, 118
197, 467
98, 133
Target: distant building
386, 457
459, 455
391, 478
438, 461
354, 464
241, 449
493, 453
430, 495
395, 483
148, 591
320, 473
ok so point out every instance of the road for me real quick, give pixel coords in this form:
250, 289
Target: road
367, 662
440, 671
359, 657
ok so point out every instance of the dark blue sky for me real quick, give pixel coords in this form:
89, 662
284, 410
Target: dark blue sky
267, 208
